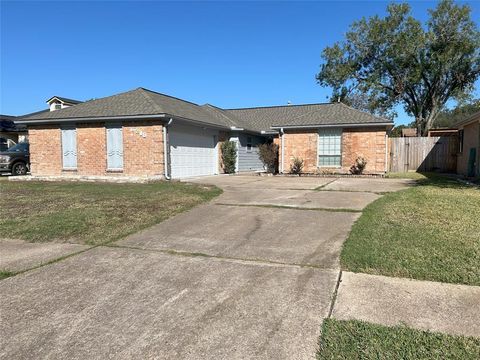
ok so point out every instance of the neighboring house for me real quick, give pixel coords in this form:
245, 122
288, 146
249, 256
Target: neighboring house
11, 133
442, 132
409, 132
468, 162
148, 134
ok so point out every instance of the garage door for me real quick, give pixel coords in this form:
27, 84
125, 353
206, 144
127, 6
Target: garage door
192, 151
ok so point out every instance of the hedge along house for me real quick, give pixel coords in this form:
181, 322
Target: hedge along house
141, 133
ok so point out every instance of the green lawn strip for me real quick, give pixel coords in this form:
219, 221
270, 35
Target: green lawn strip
5, 274
427, 232
360, 340
92, 213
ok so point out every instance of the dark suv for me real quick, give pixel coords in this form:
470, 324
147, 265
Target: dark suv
15, 160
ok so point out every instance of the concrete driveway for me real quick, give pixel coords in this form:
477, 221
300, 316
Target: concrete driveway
250, 275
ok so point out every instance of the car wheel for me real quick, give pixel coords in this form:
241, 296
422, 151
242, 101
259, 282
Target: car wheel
19, 168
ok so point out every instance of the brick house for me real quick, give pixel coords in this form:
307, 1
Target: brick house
142, 133
468, 161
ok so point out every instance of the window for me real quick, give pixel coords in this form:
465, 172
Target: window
114, 147
330, 148
57, 106
460, 140
69, 148
249, 144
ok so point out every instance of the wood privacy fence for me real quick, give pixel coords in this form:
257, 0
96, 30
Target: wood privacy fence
423, 154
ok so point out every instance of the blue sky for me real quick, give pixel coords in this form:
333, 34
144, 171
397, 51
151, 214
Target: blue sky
227, 54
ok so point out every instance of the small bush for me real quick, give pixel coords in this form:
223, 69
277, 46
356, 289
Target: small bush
229, 156
297, 166
359, 166
268, 153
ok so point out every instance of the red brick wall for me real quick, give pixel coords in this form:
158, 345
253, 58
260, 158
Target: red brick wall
45, 150
369, 143
91, 149
142, 149
301, 144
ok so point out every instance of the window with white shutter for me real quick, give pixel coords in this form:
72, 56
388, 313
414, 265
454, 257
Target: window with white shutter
69, 148
114, 147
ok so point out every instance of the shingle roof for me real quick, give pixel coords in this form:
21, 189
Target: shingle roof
146, 102
305, 115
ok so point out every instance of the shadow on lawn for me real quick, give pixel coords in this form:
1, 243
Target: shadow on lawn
447, 181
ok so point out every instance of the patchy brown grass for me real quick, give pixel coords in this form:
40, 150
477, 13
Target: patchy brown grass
91, 213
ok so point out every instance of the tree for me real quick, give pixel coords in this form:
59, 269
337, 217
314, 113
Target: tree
394, 60
448, 118
229, 156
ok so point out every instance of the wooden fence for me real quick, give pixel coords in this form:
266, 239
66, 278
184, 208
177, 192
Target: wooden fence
423, 154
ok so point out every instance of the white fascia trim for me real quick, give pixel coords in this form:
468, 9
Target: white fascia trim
89, 119
329, 126
234, 128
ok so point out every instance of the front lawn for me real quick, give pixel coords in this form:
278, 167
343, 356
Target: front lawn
359, 340
91, 213
427, 232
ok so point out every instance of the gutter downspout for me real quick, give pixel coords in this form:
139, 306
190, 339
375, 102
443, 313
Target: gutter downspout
166, 152
282, 144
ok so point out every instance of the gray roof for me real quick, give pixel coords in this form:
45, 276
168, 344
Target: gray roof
305, 115
146, 102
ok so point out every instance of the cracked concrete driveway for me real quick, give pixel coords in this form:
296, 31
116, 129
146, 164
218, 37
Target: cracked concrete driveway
221, 281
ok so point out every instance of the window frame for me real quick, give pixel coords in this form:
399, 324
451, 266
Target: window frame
340, 154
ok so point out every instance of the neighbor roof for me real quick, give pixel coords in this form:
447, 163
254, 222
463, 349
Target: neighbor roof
65, 100
145, 103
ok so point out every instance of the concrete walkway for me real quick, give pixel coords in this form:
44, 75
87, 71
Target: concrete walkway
425, 305
18, 255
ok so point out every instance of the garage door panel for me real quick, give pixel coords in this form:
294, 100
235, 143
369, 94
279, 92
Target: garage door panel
192, 152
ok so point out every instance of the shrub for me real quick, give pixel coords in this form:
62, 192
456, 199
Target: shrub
229, 156
297, 166
359, 166
268, 153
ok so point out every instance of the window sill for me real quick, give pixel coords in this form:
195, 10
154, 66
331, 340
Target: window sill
69, 170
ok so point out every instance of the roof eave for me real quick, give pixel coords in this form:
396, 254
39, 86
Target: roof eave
317, 126
46, 121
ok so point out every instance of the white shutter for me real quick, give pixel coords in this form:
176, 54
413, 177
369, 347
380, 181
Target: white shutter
114, 147
69, 148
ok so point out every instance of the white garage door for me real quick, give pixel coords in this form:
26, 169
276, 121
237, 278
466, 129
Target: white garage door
192, 151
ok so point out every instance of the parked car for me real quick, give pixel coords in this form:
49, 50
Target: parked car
16, 159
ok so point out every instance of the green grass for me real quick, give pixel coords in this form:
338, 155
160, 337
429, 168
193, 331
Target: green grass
360, 340
5, 274
427, 232
91, 213
409, 175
